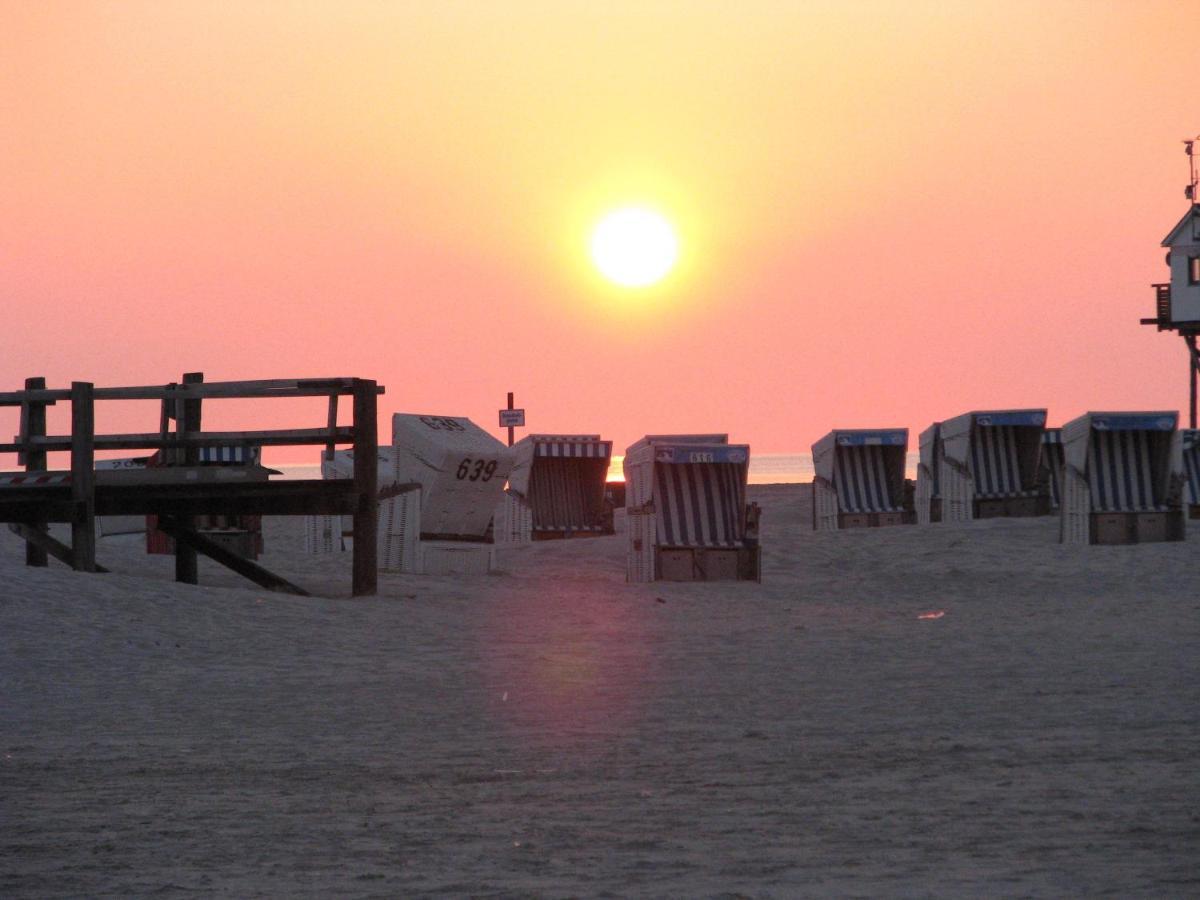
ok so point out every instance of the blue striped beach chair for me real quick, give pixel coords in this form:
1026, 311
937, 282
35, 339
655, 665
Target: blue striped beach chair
989, 464
685, 500
1122, 478
859, 478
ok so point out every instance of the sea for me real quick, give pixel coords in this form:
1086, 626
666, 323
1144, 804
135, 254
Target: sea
765, 468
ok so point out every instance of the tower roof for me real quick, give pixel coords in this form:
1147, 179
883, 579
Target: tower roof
1171, 239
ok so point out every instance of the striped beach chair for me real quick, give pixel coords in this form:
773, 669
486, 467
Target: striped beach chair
859, 478
685, 499
1118, 478
1191, 468
990, 463
556, 489
927, 496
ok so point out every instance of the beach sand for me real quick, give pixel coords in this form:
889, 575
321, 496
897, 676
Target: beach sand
552, 731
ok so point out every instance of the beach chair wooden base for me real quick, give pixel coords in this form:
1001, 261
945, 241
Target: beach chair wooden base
935, 509
887, 519
1136, 528
709, 564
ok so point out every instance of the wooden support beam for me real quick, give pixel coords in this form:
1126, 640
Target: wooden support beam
332, 422
366, 464
48, 545
33, 424
186, 537
83, 473
1194, 359
187, 421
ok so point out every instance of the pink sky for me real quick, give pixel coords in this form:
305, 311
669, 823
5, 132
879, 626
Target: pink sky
890, 213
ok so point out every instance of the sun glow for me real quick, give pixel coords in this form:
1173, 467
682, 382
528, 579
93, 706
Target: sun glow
634, 247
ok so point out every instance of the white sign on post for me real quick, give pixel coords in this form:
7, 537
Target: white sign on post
512, 418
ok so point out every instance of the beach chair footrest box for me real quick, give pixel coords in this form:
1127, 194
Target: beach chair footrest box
1112, 528
887, 519
1023, 507
854, 520
1136, 528
452, 558
991, 509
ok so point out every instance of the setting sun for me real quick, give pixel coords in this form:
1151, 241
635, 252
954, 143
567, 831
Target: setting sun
634, 247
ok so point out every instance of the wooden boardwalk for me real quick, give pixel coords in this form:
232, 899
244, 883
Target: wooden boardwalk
38, 496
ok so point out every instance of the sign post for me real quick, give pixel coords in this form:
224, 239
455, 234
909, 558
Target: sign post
511, 418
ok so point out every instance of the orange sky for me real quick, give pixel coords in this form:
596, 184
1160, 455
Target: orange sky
889, 212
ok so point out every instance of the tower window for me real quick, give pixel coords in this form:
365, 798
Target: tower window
1194, 270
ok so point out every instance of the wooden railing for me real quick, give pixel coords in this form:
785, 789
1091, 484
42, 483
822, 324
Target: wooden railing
30, 507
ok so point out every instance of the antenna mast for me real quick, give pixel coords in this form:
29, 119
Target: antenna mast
1189, 149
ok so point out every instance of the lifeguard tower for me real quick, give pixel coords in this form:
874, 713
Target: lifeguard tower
1177, 302
859, 479
685, 501
556, 489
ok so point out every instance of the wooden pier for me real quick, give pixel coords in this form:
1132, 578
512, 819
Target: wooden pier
37, 497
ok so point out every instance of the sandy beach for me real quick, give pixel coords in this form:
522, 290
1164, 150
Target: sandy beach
552, 731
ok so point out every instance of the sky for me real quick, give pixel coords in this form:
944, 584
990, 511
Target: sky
888, 212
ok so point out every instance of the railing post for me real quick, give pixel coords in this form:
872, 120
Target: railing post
366, 465
187, 423
83, 474
33, 424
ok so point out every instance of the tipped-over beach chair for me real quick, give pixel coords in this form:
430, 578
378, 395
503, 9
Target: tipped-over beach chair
241, 534
685, 499
989, 464
859, 479
448, 477
1123, 479
556, 489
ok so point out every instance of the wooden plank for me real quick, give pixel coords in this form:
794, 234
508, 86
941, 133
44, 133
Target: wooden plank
284, 437
304, 387
275, 498
33, 424
187, 423
366, 516
48, 545
83, 471
198, 543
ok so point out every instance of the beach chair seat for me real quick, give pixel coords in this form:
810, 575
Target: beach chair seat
995, 465
700, 505
1123, 479
861, 479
